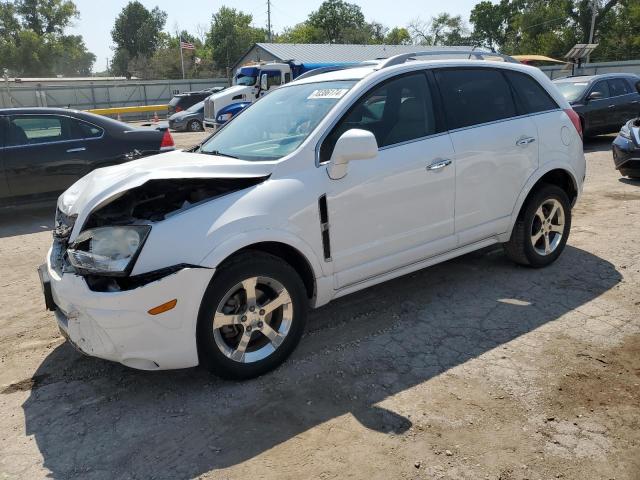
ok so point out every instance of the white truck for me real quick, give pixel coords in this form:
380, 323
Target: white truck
251, 82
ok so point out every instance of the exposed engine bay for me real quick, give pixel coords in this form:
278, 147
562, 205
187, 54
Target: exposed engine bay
157, 200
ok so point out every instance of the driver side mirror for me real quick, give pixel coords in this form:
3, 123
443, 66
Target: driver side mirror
354, 144
595, 96
264, 82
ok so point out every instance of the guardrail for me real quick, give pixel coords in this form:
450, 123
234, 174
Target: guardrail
126, 110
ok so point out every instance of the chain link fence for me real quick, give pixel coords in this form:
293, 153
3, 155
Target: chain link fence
89, 95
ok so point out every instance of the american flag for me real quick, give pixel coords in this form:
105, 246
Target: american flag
187, 45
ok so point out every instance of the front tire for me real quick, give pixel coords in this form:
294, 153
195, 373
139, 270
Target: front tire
542, 229
252, 316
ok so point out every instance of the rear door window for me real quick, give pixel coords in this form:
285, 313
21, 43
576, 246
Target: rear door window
472, 96
618, 87
87, 130
530, 95
37, 129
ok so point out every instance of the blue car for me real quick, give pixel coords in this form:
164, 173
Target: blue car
626, 149
227, 113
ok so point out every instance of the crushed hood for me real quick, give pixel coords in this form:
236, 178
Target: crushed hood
104, 184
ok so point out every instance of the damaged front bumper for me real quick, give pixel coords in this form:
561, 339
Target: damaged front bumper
117, 326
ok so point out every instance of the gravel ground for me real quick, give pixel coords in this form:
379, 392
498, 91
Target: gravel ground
472, 369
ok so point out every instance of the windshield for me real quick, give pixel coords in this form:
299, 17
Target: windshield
246, 80
197, 108
572, 90
278, 123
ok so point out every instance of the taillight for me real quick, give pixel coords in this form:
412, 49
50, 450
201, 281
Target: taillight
167, 140
575, 119
178, 109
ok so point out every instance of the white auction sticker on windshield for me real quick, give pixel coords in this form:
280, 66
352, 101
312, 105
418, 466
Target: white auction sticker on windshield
328, 93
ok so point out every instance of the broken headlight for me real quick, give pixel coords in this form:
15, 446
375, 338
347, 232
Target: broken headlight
108, 250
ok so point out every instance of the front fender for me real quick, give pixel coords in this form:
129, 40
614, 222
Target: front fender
247, 238
531, 182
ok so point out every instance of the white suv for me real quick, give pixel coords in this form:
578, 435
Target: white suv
326, 186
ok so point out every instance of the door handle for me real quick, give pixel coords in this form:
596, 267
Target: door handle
74, 150
525, 141
635, 101
438, 165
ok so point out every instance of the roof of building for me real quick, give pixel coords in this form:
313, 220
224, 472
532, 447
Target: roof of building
347, 53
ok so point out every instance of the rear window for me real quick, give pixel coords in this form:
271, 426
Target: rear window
175, 101
472, 96
530, 95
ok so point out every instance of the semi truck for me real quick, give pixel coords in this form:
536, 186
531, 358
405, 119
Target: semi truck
251, 82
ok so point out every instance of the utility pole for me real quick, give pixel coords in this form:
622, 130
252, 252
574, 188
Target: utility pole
269, 20
594, 14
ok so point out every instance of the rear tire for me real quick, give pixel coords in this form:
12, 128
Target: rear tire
542, 229
194, 126
252, 316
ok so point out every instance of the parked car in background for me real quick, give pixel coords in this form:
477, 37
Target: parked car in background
189, 119
182, 101
626, 149
227, 113
603, 102
44, 150
328, 185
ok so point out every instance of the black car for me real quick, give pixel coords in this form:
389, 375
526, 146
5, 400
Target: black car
182, 101
626, 149
603, 102
45, 150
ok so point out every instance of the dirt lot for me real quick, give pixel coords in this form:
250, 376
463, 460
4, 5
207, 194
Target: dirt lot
472, 369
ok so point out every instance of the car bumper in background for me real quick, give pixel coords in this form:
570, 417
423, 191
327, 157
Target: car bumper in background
117, 326
626, 156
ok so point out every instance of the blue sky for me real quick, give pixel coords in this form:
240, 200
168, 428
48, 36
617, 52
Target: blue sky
97, 17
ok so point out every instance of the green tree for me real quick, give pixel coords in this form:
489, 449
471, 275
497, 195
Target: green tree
71, 57
398, 36
492, 23
301, 33
231, 35
338, 20
46, 16
136, 33
443, 29
32, 40
618, 36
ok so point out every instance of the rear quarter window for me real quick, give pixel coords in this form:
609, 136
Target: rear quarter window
531, 97
472, 96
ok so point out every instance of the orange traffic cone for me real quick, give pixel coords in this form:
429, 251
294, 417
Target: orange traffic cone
155, 117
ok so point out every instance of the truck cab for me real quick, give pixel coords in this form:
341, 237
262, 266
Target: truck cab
249, 83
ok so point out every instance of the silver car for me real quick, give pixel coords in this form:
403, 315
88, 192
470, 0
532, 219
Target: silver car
188, 120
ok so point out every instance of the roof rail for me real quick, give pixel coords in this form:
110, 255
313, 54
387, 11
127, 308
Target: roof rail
477, 54
332, 68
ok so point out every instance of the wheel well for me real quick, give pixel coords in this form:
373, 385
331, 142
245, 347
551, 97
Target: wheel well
560, 178
290, 255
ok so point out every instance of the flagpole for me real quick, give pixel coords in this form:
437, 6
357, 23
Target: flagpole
181, 57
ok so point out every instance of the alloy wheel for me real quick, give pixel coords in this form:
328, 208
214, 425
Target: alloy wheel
252, 319
547, 227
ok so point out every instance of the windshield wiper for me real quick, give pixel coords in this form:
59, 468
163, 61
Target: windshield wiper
218, 153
